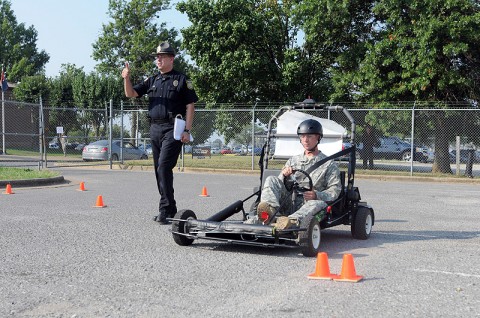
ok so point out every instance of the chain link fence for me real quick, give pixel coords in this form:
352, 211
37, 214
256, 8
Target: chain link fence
437, 139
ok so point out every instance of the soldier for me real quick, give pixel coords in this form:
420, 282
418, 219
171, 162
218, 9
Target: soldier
326, 181
170, 94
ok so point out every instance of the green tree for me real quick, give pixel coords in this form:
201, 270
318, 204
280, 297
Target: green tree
426, 51
336, 34
245, 135
397, 51
93, 93
131, 36
32, 88
63, 110
243, 51
18, 46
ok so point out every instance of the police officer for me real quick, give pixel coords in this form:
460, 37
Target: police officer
170, 93
326, 181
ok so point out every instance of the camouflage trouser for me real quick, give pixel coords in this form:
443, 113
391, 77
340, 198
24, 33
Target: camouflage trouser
277, 196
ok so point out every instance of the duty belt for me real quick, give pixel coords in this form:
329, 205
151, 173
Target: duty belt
160, 120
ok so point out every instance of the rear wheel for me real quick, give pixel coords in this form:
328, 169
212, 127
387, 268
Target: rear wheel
406, 156
180, 227
114, 157
309, 240
362, 225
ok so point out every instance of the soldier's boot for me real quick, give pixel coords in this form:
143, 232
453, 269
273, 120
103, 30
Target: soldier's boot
284, 222
265, 211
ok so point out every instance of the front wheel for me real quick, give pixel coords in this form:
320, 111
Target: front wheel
181, 227
309, 240
362, 225
406, 156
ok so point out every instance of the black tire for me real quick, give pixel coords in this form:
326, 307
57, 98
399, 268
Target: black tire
362, 225
309, 240
406, 155
144, 157
114, 157
179, 226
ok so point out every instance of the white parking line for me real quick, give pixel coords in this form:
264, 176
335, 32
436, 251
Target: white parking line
446, 273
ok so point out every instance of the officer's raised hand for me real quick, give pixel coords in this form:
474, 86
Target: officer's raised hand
129, 91
126, 71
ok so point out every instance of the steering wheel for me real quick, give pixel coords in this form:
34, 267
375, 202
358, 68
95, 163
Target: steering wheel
291, 183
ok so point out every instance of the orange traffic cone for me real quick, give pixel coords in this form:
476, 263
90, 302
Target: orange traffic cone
204, 192
82, 186
8, 189
322, 270
99, 203
348, 273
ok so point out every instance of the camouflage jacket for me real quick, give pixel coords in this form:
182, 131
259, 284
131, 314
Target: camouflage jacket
326, 178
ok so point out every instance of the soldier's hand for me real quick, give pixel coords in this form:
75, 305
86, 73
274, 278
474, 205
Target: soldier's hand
126, 71
310, 195
286, 171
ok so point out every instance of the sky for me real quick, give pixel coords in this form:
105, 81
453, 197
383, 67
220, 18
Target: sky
66, 29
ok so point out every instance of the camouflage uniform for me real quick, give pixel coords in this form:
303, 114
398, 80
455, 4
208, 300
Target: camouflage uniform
326, 183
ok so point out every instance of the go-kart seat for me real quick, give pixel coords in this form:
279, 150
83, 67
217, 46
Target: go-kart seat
339, 203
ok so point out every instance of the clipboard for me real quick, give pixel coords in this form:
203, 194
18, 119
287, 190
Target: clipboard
179, 127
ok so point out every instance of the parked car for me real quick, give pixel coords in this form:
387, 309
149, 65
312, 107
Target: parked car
226, 151
429, 154
257, 150
214, 150
237, 150
394, 148
147, 148
53, 145
80, 147
98, 150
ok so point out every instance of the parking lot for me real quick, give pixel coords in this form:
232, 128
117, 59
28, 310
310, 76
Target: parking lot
63, 257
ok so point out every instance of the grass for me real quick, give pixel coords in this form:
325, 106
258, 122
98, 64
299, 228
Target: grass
216, 161
50, 152
9, 173
231, 162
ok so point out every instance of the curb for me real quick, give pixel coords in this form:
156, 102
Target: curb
33, 182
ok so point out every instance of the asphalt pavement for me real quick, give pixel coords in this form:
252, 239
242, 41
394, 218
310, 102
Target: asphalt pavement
63, 257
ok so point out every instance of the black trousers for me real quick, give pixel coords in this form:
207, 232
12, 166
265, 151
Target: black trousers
367, 158
165, 150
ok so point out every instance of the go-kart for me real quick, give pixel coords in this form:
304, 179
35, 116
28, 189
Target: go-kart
347, 209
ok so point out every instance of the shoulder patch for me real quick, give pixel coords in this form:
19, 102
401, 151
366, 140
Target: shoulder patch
189, 84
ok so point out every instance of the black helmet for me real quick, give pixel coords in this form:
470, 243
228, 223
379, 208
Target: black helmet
310, 126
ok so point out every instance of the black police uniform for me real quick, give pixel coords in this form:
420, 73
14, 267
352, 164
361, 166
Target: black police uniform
168, 94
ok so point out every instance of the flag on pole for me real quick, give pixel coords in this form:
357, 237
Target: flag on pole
4, 81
